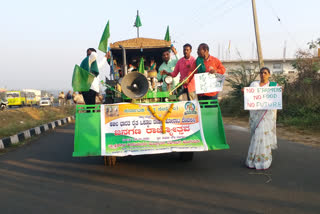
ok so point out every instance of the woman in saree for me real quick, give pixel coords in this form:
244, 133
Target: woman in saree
263, 129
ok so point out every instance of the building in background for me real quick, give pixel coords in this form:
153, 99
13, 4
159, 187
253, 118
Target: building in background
276, 66
37, 94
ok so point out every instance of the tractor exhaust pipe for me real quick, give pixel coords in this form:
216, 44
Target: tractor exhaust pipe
124, 59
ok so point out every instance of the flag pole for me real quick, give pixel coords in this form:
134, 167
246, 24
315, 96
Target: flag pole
137, 27
181, 83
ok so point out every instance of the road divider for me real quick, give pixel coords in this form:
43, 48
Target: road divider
15, 139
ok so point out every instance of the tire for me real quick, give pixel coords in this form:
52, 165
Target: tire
186, 156
110, 160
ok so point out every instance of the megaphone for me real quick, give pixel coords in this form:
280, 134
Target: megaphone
134, 85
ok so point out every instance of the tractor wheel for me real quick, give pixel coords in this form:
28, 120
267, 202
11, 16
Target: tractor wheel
186, 156
110, 160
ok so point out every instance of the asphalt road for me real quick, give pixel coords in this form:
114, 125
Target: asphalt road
43, 177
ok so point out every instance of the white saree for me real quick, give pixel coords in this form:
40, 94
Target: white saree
263, 136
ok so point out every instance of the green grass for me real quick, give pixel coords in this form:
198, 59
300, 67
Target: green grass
13, 121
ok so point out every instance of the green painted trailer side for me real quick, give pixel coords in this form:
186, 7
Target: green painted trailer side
212, 125
87, 140
87, 135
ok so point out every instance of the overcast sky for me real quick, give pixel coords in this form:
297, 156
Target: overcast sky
41, 41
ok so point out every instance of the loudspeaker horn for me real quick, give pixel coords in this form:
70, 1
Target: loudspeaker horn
134, 85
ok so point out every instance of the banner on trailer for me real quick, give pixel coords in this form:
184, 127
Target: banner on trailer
131, 129
207, 83
262, 98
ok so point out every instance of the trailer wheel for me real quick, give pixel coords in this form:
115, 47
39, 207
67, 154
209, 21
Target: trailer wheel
110, 160
186, 156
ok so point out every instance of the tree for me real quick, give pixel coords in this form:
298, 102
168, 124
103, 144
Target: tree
301, 98
314, 44
238, 79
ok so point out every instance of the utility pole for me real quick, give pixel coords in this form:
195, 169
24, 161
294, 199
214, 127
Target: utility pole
253, 51
284, 51
256, 27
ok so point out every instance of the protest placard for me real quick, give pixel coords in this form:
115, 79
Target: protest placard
262, 98
207, 83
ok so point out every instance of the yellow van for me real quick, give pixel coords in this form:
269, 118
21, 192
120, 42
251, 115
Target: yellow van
16, 98
31, 99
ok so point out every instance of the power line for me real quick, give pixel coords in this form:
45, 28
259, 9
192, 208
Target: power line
199, 21
222, 11
282, 24
228, 10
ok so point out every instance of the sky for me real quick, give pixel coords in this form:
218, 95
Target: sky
41, 41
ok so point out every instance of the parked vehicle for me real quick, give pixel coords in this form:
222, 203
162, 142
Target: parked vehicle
31, 99
35, 94
3, 100
45, 101
16, 98
3, 105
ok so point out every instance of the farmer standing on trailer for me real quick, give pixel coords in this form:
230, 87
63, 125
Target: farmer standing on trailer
208, 64
168, 66
90, 64
185, 66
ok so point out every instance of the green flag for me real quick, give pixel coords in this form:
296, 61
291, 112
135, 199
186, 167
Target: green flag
141, 66
81, 79
167, 36
137, 23
103, 45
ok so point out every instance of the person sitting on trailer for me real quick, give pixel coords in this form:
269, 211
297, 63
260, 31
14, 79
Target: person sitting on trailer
133, 65
208, 64
152, 64
168, 66
184, 67
131, 68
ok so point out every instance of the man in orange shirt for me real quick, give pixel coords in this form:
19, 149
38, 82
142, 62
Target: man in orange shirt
209, 64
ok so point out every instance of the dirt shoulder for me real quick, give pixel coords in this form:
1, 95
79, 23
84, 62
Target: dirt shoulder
307, 137
13, 121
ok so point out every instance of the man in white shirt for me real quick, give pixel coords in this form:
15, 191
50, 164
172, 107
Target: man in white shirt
90, 64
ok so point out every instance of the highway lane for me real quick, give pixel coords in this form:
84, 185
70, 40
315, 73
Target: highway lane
43, 177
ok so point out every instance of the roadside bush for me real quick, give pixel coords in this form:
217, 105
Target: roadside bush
301, 98
232, 105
